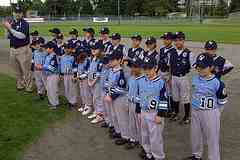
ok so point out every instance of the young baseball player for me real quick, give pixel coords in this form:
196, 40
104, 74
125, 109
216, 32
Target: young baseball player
67, 65
74, 38
34, 35
164, 54
38, 60
163, 63
59, 48
89, 40
51, 69
151, 45
55, 32
208, 96
116, 45
153, 107
34, 38
221, 65
104, 38
116, 97
104, 80
81, 75
181, 63
134, 125
94, 76
136, 52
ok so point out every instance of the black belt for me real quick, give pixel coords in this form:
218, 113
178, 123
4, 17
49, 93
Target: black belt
179, 74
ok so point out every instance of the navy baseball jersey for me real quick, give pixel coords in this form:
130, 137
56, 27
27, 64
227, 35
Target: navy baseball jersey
208, 93
152, 95
116, 84
221, 66
76, 42
151, 55
106, 44
59, 50
164, 58
51, 65
180, 62
120, 48
88, 44
136, 53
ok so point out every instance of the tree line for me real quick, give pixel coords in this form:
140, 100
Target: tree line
127, 7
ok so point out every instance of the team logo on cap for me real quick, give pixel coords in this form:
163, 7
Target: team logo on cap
201, 57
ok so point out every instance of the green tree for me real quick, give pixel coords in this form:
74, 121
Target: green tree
235, 5
221, 9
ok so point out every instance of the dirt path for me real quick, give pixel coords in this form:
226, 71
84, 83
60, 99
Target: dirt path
77, 139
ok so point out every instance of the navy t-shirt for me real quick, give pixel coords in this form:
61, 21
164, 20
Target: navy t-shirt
19, 26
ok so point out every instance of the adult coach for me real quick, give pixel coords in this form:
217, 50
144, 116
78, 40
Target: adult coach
20, 53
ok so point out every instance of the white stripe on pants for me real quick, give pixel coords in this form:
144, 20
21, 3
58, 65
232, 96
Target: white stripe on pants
134, 125
206, 124
70, 89
40, 80
152, 140
121, 107
52, 89
113, 117
85, 92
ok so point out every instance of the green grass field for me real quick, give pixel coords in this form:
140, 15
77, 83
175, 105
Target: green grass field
220, 31
22, 120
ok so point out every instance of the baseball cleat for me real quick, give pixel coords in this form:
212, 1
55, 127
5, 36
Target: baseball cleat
93, 115
87, 111
81, 109
98, 119
104, 125
131, 145
121, 141
185, 120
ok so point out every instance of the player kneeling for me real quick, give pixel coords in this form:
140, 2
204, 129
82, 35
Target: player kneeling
208, 97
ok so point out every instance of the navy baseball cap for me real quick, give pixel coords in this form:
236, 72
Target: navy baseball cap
211, 45
89, 30
98, 45
204, 60
74, 31
41, 40
149, 63
167, 35
179, 35
49, 44
115, 36
116, 54
105, 30
151, 40
55, 30
34, 33
137, 37
18, 9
